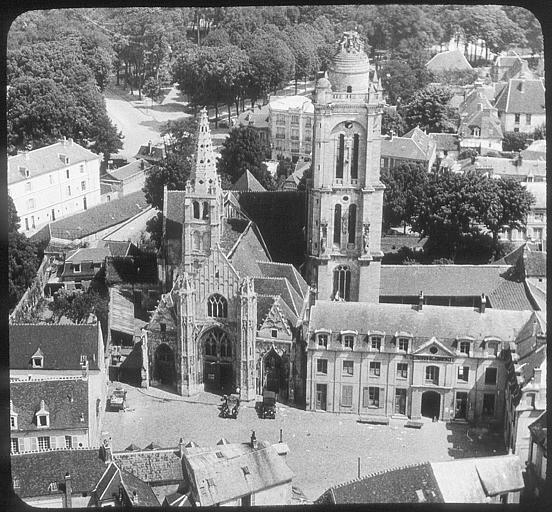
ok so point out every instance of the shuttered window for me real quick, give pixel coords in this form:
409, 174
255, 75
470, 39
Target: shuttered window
346, 396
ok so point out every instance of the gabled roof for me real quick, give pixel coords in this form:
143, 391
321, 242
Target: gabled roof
36, 471
535, 264
159, 466
539, 429
248, 183
65, 400
94, 254
99, 217
121, 311
433, 342
241, 470
248, 249
409, 484
522, 96
443, 323
414, 145
128, 170
154, 153
62, 345
47, 159
275, 269
173, 211
278, 309
535, 151
505, 290
118, 248
451, 60
279, 286
445, 141
486, 120
510, 166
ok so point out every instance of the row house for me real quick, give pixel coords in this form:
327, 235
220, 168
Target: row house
56, 357
51, 415
408, 360
126, 179
291, 126
413, 147
53, 182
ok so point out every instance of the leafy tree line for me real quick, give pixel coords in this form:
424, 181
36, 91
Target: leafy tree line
453, 209
55, 75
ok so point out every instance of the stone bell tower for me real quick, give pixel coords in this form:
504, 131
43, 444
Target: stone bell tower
203, 203
345, 195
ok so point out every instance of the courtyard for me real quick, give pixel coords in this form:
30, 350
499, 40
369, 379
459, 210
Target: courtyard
324, 448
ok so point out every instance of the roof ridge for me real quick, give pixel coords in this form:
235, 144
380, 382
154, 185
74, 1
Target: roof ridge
381, 472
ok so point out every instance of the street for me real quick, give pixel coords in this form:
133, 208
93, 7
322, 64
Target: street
324, 448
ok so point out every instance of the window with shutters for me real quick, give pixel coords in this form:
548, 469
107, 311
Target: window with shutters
371, 396
31, 204
402, 370
322, 366
346, 396
68, 442
463, 373
348, 367
44, 443
14, 445
375, 368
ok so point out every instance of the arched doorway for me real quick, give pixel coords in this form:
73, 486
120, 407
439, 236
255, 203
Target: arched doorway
164, 371
431, 404
272, 364
218, 355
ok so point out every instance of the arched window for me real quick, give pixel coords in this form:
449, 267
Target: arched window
354, 163
205, 210
206, 241
225, 346
217, 306
211, 344
195, 205
432, 374
342, 282
340, 156
337, 224
196, 241
352, 223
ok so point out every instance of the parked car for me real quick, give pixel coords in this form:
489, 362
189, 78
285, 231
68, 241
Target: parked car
117, 399
268, 408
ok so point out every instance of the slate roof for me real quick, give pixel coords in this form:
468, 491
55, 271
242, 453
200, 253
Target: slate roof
450, 60
231, 231
129, 170
275, 269
399, 485
535, 264
291, 102
248, 183
473, 480
131, 269
117, 248
445, 141
264, 305
46, 159
414, 145
512, 166
442, 322
505, 290
279, 286
174, 213
239, 471
161, 466
62, 345
99, 217
525, 96
487, 121
248, 251
36, 471
155, 154
94, 254
535, 151
65, 400
121, 311
529, 362
539, 430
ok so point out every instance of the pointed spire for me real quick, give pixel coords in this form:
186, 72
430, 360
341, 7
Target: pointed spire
204, 170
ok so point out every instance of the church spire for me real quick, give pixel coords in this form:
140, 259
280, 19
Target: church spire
204, 170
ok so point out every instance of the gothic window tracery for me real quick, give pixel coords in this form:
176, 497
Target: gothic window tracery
217, 306
195, 206
342, 282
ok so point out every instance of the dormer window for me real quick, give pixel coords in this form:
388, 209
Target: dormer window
348, 341
464, 347
492, 347
42, 416
274, 333
13, 417
375, 343
322, 337
403, 344
77, 268
83, 360
53, 487
37, 359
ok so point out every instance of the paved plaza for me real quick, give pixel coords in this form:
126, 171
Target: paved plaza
324, 447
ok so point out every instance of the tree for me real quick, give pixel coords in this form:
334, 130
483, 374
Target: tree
514, 141
429, 110
402, 185
13, 218
22, 265
154, 227
152, 88
244, 150
181, 136
400, 80
301, 41
392, 121
510, 210
539, 132
78, 306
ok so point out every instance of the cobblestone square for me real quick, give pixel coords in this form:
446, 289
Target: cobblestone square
324, 448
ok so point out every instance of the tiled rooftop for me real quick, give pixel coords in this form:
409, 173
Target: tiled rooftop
160, 466
525, 96
448, 61
129, 170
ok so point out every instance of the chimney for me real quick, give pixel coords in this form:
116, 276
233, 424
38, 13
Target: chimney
142, 164
70, 140
134, 496
26, 153
483, 303
479, 106
63, 141
68, 491
420, 300
149, 147
281, 437
253, 440
181, 447
106, 450
535, 325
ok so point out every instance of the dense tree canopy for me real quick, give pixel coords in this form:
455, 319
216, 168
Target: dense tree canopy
244, 150
429, 110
